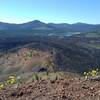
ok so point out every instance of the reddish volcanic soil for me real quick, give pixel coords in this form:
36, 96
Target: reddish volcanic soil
61, 89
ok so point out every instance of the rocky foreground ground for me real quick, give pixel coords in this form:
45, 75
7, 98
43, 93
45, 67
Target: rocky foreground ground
57, 89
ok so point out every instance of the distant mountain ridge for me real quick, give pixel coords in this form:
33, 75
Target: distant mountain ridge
38, 25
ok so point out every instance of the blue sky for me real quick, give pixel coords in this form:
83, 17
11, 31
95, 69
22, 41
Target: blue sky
57, 11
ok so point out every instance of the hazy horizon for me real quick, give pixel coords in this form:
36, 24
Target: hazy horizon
48, 22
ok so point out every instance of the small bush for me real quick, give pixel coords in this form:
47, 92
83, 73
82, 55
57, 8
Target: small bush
10, 81
1, 86
35, 77
92, 73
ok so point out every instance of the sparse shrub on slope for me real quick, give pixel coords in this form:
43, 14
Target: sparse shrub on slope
49, 75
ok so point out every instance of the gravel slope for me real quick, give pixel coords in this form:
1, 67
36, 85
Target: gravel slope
56, 89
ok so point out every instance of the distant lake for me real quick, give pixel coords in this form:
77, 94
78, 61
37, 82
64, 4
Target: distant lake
64, 34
